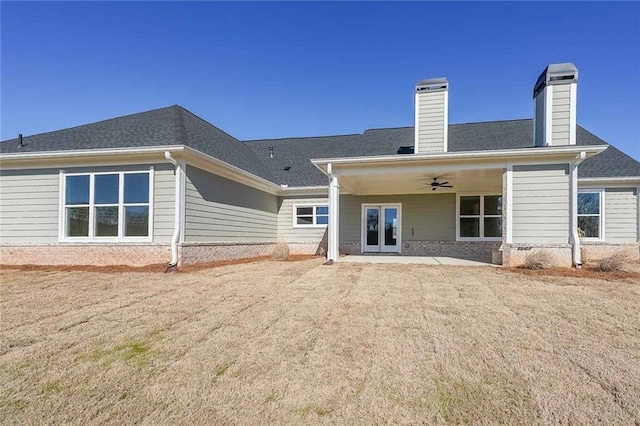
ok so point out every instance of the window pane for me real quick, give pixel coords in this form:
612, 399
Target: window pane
305, 220
304, 211
322, 220
493, 227
390, 226
470, 205
136, 221
106, 221
77, 221
106, 189
493, 205
136, 187
589, 203
77, 189
322, 210
469, 227
590, 226
373, 216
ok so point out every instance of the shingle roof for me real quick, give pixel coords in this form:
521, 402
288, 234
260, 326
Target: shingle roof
175, 125
493, 135
172, 125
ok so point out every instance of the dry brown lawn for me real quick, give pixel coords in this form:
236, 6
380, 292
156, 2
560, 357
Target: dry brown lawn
303, 343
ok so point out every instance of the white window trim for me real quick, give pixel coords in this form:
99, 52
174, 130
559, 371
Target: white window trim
481, 216
62, 237
600, 191
314, 215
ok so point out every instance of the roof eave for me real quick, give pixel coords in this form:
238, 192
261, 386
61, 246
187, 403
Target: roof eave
451, 157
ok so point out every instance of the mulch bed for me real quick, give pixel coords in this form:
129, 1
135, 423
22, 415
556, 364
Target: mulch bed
149, 268
584, 272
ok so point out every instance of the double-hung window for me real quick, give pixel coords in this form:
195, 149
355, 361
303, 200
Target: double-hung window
480, 217
107, 206
590, 221
310, 215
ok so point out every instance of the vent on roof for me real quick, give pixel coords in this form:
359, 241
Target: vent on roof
20, 144
287, 168
270, 152
406, 150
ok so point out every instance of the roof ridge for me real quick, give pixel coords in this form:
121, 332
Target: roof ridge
301, 137
95, 122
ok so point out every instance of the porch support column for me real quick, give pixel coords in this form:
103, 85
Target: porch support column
333, 250
507, 205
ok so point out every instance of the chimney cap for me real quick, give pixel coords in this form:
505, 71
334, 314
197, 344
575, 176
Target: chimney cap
432, 84
556, 74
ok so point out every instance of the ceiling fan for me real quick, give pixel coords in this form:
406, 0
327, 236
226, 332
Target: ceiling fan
435, 184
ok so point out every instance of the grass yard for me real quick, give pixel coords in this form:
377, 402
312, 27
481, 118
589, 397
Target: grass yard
302, 343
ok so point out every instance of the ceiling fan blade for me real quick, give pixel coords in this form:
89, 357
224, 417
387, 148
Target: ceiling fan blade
444, 183
434, 188
446, 186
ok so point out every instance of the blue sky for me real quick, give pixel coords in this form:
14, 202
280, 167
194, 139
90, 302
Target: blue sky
262, 70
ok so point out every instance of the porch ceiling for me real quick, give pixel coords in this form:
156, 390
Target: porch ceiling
477, 180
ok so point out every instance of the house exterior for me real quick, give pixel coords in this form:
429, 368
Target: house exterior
165, 186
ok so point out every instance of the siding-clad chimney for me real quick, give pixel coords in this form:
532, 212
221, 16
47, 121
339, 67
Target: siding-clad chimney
432, 116
555, 95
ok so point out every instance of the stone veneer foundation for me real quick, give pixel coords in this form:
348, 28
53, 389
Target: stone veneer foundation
193, 253
85, 254
596, 251
516, 254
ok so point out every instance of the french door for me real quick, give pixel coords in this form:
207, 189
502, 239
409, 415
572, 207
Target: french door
381, 228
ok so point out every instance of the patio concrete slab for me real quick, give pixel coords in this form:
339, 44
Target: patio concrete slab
424, 260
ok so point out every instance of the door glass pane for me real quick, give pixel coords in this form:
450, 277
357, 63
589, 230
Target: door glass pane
77, 189
136, 221
493, 205
106, 189
372, 227
136, 188
77, 221
589, 203
470, 205
469, 227
106, 221
589, 225
493, 226
390, 226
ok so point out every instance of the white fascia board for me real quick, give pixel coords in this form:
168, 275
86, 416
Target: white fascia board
304, 190
623, 180
533, 153
89, 152
226, 170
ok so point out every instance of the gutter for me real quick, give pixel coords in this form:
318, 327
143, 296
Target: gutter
175, 238
574, 238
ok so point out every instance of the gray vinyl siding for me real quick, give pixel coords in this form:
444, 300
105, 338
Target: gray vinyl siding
621, 215
29, 206
560, 114
541, 204
424, 217
539, 120
30, 202
286, 231
431, 122
221, 210
163, 203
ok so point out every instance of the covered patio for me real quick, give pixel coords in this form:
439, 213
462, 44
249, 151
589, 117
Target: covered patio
451, 205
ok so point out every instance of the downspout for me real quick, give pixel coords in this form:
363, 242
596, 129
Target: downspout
574, 238
178, 210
